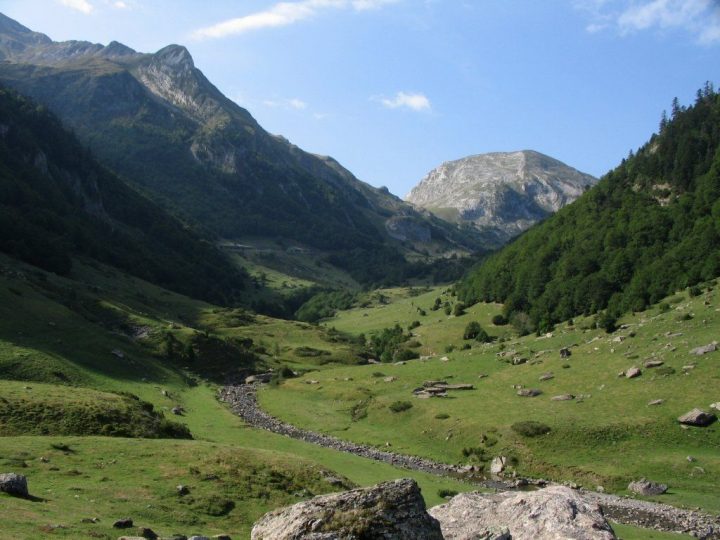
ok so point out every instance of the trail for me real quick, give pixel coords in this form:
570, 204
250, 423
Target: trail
242, 399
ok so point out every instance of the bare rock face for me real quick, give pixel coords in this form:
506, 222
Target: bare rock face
553, 513
502, 193
389, 510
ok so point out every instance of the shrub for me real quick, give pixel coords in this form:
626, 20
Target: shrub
499, 320
400, 406
472, 330
449, 348
442, 416
405, 354
685, 317
530, 428
695, 291
664, 371
459, 309
414, 325
378, 374
445, 493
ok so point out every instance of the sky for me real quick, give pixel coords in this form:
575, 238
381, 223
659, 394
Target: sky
393, 88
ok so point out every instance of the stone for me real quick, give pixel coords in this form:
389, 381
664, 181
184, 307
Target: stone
117, 353
565, 352
632, 372
553, 513
498, 464
392, 509
125, 523
221, 537
546, 376
647, 488
710, 347
390, 379
563, 397
182, 489
653, 363
177, 410
14, 484
518, 361
529, 392
656, 402
697, 417
715, 406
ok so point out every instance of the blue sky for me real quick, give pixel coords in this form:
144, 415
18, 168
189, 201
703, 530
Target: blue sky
392, 88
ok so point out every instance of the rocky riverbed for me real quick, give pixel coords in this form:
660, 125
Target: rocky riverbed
242, 399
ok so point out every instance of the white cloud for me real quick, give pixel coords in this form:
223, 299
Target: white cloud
293, 103
80, 5
120, 4
282, 14
415, 102
698, 17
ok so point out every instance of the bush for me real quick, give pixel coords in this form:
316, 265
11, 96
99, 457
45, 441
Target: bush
400, 406
414, 325
444, 493
530, 428
442, 416
405, 354
664, 371
695, 291
472, 330
459, 309
499, 320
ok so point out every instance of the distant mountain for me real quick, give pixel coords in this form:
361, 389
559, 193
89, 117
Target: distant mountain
502, 193
158, 122
58, 203
647, 229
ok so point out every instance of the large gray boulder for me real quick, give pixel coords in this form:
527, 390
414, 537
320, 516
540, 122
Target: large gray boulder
553, 513
697, 417
14, 484
647, 488
389, 510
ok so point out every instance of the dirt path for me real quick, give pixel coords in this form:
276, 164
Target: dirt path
242, 399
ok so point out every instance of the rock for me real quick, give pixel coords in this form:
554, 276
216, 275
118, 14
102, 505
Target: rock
552, 513
529, 392
518, 361
656, 402
125, 523
14, 484
632, 373
710, 347
647, 488
546, 376
221, 537
715, 406
393, 509
117, 353
697, 417
563, 397
390, 379
177, 410
498, 464
565, 352
182, 489
653, 363
145, 532
199, 537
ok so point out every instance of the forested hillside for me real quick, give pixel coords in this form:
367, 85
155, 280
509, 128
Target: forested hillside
649, 227
57, 202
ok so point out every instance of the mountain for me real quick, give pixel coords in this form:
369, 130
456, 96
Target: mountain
501, 193
649, 227
158, 122
57, 203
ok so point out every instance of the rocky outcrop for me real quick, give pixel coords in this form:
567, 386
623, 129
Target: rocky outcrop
501, 193
389, 510
647, 488
553, 513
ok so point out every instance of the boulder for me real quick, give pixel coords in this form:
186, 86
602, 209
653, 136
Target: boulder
697, 417
146, 532
553, 513
565, 353
125, 523
498, 464
393, 509
14, 484
546, 376
647, 488
710, 347
563, 397
653, 363
633, 372
529, 392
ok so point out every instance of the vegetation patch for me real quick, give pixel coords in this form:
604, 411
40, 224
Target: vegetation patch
530, 428
400, 406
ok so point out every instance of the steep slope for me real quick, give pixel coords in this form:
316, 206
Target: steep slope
57, 203
501, 193
157, 120
649, 227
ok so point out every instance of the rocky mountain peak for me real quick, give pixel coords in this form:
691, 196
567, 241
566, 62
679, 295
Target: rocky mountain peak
174, 56
501, 193
117, 49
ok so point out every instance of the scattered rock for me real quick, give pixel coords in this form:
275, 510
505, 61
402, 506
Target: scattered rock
117, 353
715, 406
656, 402
145, 532
653, 363
125, 523
529, 392
498, 464
390, 379
691, 459
546, 376
182, 489
177, 410
697, 417
393, 509
518, 361
632, 373
710, 347
221, 537
565, 352
647, 488
563, 397
90, 520
547, 514
14, 484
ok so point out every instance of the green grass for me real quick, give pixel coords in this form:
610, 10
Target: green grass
608, 438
